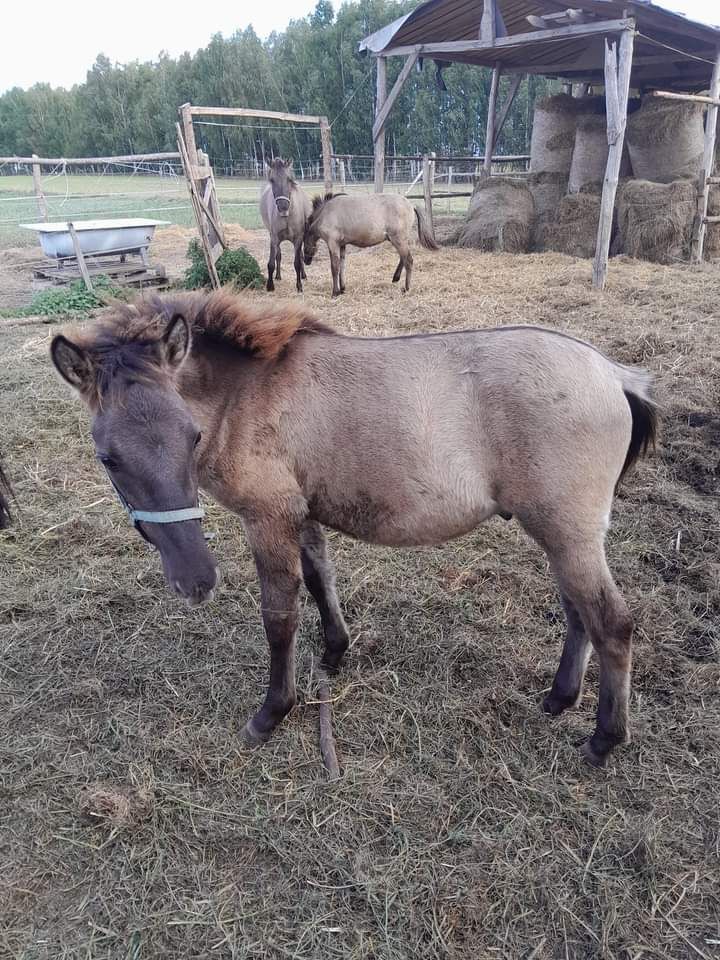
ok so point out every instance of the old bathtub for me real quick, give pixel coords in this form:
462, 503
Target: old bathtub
95, 236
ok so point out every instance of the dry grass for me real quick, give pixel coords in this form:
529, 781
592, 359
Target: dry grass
464, 824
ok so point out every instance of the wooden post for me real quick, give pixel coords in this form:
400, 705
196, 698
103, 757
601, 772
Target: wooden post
617, 87
450, 183
514, 87
341, 166
37, 184
189, 133
326, 153
488, 28
711, 119
428, 176
490, 130
84, 273
203, 216
379, 138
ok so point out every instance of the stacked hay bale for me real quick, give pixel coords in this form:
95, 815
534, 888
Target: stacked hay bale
655, 219
665, 139
551, 146
500, 217
575, 226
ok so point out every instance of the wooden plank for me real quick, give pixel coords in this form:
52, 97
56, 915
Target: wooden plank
190, 147
617, 87
197, 208
487, 23
80, 256
490, 128
697, 246
380, 97
712, 180
243, 112
691, 97
514, 86
326, 153
515, 40
393, 95
37, 186
88, 161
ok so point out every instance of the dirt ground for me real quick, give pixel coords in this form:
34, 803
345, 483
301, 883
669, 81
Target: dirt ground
465, 824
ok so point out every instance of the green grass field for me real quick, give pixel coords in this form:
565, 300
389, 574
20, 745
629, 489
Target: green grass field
82, 197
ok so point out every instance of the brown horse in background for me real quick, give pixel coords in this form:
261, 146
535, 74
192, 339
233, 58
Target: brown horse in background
364, 221
284, 209
401, 441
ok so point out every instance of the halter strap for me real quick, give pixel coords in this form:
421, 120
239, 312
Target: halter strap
280, 197
155, 516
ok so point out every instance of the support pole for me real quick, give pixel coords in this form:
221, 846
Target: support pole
189, 133
711, 119
84, 272
380, 96
512, 92
326, 153
428, 178
341, 167
490, 130
37, 184
617, 87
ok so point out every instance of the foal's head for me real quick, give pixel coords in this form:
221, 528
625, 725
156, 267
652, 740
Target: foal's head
311, 238
282, 181
125, 371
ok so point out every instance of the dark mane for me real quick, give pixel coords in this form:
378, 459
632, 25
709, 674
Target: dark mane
318, 202
127, 339
278, 165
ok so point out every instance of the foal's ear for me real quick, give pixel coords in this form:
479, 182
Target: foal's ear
176, 340
71, 362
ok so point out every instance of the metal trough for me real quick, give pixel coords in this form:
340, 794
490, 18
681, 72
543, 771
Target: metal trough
95, 236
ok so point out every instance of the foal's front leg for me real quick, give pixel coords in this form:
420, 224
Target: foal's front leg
334, 252
299, 272
277, 557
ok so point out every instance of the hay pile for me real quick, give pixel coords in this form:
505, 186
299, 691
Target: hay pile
665, 140
500, 217
655, 219
574, 229
553, 133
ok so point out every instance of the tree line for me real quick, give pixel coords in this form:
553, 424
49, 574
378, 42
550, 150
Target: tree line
311, 67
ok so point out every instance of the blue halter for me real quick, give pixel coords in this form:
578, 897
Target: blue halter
155, 516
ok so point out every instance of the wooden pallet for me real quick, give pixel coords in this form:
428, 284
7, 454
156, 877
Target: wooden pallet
120, 270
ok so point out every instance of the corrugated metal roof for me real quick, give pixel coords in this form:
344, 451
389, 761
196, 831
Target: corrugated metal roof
670, 49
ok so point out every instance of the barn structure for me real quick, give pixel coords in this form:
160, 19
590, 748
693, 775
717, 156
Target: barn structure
620, 46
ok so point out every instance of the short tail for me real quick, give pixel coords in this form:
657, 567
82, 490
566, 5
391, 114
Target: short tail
637, 387
5, 496
425, 236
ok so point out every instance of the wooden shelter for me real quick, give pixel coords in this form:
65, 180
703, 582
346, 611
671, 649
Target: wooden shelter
626, 45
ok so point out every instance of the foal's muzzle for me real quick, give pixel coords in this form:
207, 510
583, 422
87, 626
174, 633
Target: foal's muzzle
282, 205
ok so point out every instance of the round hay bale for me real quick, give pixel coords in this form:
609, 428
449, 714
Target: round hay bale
590, 153
711, 250
547, 189
665, 139
553, 133
574, 230
500, 217
655, 219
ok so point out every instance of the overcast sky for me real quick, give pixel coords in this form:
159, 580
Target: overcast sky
54, 42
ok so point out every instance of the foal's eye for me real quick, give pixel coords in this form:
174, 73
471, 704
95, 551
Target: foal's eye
198, 438
108, 463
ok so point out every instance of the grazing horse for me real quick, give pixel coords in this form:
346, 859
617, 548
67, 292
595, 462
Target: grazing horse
284, 209
5, 496
399, 441
340, 220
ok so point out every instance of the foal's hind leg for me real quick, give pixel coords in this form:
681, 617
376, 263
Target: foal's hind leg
406, 260
567, 685
319, 575
341, 273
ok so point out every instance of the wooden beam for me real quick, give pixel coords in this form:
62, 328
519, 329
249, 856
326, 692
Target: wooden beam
380, 97
88, 161
387, 106
490, 128
326, 153
618, 66
487, 23
244, 112
515, 40
37, 185
711, 119
190, 146
514, 86
690, 97
79, 256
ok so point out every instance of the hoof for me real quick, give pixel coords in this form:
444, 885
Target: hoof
270, 287
589, 755
251, 737
554, 705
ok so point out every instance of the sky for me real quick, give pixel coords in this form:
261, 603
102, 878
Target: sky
63, 40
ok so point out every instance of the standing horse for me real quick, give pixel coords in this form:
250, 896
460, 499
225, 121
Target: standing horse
402, 441
340, 220
284, 209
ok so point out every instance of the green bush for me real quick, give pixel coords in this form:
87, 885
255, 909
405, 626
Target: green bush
233, 266
70, 300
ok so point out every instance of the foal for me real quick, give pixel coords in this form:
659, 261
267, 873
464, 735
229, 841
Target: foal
284, 208
400, 441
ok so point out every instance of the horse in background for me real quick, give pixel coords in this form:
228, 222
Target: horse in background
365, 221
284, 208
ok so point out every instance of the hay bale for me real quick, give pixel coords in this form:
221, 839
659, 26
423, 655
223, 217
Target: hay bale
590, 153
553, 133
574, 230
547, 189
665, 139
655, 219
500, 217
711, 250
